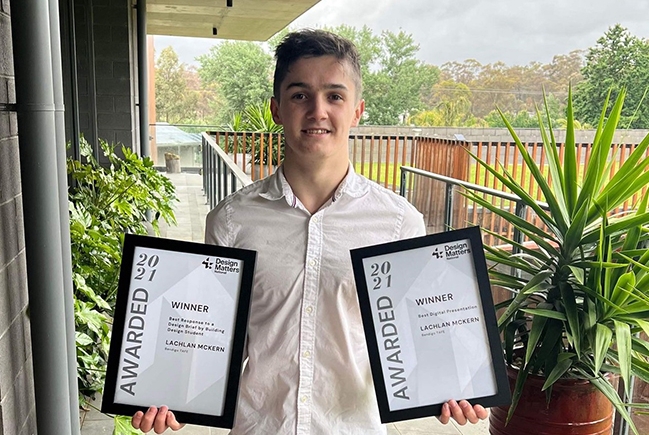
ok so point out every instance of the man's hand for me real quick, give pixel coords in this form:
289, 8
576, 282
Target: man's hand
157, 419
462, 412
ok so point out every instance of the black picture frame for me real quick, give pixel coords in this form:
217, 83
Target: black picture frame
502, 394
220, 418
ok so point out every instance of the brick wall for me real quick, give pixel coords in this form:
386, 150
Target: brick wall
104, 70
17, 410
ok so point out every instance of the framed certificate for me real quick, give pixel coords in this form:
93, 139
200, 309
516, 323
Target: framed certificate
179, 329
430, 324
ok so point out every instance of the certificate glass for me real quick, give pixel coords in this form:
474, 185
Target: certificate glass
430, 324
179, 329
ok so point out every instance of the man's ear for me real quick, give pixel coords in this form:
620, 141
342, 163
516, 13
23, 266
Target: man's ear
274, 109
358, 113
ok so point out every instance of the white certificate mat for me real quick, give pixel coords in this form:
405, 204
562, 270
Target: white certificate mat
430, 324
179, 329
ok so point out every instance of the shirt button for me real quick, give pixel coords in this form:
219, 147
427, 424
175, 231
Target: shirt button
306, 354
315, 219
309, 309
312, 263
304, 399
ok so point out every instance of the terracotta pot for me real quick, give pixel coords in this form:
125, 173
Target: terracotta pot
576, 408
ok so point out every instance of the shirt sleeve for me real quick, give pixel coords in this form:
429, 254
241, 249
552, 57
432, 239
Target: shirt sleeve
217, 226
413, 223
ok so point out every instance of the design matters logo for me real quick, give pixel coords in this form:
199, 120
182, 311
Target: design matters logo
437, 253
456, 250
221, 265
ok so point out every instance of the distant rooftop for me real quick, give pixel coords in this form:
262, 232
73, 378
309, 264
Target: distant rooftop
169, 135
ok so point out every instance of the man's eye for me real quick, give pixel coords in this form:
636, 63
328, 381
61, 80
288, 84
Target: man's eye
336, 97
298, 97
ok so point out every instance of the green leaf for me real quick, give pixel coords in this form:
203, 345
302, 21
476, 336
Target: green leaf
603, 339
640, 369
549, 351
644, 325
570, 304
538, 326
623, 341
554, 162
559, 370
536, 282
534, 233
545, 313
622, 290
631, 161
557, 213
578, 273
517, 189
518, 390
572, 238
570, 160
83, 339
123, 426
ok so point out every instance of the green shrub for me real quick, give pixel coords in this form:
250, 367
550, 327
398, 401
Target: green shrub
258, 119
105, 203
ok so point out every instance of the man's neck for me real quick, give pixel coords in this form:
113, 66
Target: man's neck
314, 184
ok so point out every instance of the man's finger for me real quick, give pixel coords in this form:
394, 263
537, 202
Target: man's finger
481, 412
172, 422
446, 414
136, 420
147, 420
468, 411
160, 423
457, 413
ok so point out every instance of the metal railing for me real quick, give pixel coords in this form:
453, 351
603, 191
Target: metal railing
520, 208
221, 175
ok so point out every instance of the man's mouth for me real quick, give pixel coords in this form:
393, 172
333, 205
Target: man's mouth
315, 131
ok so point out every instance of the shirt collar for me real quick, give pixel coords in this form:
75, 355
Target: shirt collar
277, 187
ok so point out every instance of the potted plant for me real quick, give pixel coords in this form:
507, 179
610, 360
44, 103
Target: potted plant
259, 119
579, 283
172, 163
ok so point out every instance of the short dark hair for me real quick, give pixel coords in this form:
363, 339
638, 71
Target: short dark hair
315, 43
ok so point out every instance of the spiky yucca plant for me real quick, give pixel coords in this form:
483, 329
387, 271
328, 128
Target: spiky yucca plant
580, 286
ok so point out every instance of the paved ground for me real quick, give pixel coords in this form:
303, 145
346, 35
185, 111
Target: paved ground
190, 214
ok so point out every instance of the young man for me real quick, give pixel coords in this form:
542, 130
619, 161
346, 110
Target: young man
308, 371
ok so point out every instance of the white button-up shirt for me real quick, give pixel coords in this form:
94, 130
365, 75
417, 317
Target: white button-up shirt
308, 370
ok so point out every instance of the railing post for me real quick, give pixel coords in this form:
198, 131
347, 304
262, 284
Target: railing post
448, 211
210, 187
213, 181
402, 186
620, 426
217, 179
521, 211
519, 237
204, 163
222, 179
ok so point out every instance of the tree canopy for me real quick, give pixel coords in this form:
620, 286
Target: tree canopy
242, 71
170, 86
399, 88
618, 60
394, 80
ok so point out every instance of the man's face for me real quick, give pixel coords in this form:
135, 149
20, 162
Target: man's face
317, 106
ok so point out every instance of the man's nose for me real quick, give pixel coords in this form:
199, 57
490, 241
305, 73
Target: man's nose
317, 109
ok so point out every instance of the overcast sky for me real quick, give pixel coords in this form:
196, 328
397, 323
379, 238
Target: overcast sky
516, 32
